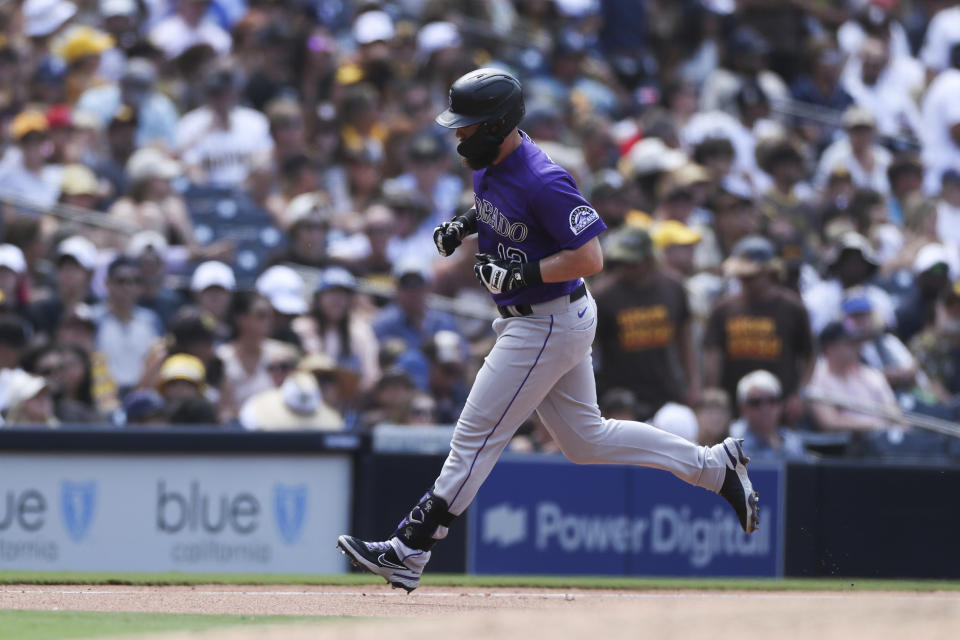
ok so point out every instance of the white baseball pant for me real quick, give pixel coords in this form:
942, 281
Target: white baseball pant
542, 363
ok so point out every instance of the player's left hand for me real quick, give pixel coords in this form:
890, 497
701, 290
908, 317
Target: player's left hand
498, 275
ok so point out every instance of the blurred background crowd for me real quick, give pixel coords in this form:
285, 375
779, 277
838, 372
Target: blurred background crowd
220, 212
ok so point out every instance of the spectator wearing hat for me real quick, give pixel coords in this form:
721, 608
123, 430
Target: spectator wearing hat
429, 176
75, 260
840, 375
765, 326
858, 152
932, 271
28, 401
850, 262
13, 268
937, 347
887, 86
29, 177
192, 332
336, 327
339, 385
884, 351
222, 143
447, 383
144, 407
643, 326
296, 404
286, 291
676, 243
759, 397
154, 113
307, 220
81, 47
149, 250
250, 349
79, 187
125, 330
188, 27
42, 21
409, 318
181, 376
211, 286
121, 20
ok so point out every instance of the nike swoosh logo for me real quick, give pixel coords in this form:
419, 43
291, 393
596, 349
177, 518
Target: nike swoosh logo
581, 312
382, 560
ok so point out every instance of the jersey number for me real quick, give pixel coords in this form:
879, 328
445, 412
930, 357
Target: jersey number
511, 253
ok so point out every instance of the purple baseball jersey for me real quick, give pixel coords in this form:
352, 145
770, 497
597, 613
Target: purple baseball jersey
528, 208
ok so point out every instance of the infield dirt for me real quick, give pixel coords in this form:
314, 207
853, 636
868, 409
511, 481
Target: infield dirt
476, 613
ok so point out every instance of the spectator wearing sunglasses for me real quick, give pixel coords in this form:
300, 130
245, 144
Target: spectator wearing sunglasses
760, 398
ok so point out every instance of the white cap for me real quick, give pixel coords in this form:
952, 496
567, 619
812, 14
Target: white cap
412, 265
372, 26
652, 155
12, 258
929, 256
301, 393
314, 204
212, 274
43, 17
21, 386
758, 380
81, 250
284, 288
143, 240
336, 277
117, 8
437, 35
149, 163
677, 419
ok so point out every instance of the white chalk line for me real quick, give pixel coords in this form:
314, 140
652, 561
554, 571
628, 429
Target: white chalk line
786, 595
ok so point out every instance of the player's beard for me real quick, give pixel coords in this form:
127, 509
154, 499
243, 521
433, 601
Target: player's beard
479, 150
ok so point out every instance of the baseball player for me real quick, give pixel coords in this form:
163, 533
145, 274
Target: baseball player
538, 238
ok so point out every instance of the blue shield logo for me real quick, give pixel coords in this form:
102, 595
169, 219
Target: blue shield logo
290, 510
77, 503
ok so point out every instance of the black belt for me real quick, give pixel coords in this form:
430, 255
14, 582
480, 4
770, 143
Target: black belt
518, 310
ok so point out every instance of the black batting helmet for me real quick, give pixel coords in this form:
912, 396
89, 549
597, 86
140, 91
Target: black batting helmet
488, 96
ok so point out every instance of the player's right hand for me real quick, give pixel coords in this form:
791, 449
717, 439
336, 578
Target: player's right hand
448, 236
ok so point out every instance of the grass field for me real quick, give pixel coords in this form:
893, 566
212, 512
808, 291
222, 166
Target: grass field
51, 621
456, 580
57, 625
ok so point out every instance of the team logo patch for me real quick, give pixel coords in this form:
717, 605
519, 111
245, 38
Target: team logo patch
581, 218
77, 503
290, 510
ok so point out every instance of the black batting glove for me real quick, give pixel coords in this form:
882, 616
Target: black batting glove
448, 235
499, 275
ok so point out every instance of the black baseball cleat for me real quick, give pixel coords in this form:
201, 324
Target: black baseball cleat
737, 488
387, 560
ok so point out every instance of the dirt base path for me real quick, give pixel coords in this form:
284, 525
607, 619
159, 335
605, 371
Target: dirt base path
475, 614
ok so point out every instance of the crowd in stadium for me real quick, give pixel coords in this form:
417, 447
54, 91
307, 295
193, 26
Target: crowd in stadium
220, 212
